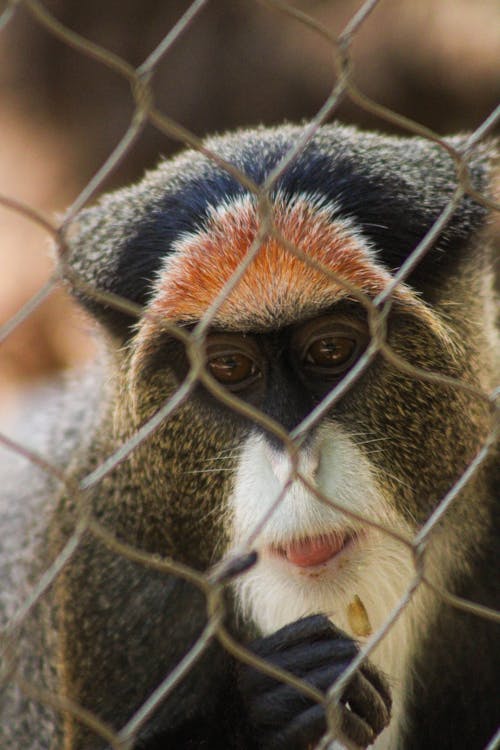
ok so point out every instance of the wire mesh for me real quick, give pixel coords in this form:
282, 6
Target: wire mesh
213, 583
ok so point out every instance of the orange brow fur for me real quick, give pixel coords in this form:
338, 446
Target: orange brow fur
277, 286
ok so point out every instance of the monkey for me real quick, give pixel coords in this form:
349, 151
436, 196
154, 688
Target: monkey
331, 558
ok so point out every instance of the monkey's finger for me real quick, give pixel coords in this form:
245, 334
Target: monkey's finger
378, 681
308, 629
300, 660
281, 704
356, 728
365, 701
302, 732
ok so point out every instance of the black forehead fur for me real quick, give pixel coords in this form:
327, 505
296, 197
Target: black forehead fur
392, 188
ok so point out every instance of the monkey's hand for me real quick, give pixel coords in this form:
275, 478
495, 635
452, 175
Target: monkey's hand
282, 718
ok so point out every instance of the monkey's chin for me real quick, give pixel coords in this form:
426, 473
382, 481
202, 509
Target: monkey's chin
314, 555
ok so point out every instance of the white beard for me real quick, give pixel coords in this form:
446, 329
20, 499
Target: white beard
376, 567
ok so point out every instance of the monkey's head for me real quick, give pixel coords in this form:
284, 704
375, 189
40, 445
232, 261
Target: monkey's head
347, 211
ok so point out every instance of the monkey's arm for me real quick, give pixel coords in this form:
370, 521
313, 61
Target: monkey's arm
260, 713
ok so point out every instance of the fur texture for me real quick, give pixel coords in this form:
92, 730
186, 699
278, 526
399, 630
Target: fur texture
208, 479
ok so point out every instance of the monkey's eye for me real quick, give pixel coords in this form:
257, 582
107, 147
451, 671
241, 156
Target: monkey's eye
327, 347
330, 353
235, 367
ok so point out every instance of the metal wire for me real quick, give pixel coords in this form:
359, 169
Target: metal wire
211, 583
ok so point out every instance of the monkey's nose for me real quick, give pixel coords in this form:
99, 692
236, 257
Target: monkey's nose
307, 463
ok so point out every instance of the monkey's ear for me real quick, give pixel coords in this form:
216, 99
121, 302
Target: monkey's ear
111, 250
467, 235
119, 245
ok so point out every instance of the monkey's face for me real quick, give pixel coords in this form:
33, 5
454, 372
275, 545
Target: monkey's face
280, 342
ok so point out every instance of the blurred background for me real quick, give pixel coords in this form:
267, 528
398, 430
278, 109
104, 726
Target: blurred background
239, 63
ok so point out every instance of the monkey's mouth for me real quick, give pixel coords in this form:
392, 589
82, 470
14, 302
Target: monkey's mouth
309, 552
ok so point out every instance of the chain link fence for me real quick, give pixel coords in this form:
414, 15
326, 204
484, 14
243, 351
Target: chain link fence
214, 582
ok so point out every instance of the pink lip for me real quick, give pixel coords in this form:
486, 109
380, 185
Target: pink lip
311, 551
